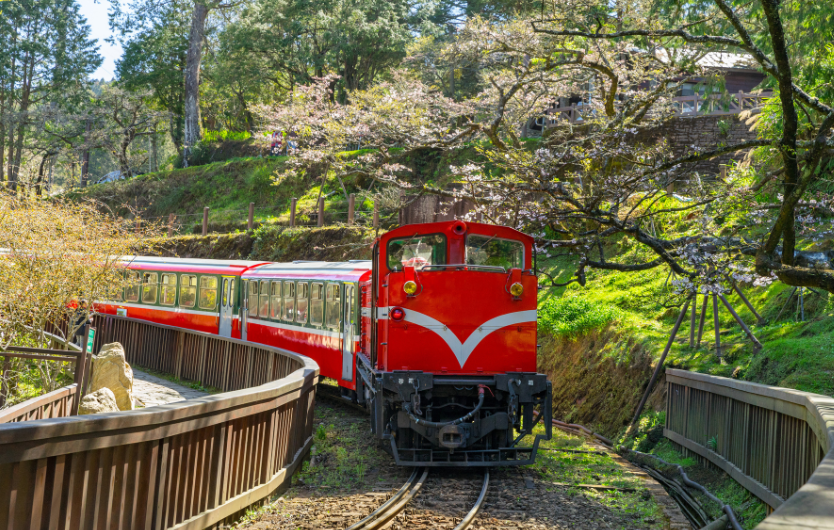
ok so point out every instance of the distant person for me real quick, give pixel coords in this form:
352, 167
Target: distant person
277, 143
292, 141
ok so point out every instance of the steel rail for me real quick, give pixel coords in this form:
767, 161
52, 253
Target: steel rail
470, 517
393, 506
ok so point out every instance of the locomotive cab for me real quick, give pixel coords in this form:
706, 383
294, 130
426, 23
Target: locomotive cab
451, 373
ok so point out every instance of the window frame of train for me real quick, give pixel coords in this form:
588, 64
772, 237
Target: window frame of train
163, 287
217, 288
196, 287
329, 288
134, 281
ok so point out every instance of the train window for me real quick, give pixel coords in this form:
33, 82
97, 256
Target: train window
416, 251
149, 287
317, 304
275, 312
208, 292
289, 301
188, 290
263, 304
333, 305
301, 302
253, 298
132, 289
231, 301
169, 289
494, 252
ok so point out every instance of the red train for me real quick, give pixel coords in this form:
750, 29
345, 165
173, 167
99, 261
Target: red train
436, 335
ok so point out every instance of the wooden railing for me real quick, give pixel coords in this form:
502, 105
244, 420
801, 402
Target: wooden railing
190, 464
697, 105
56, 404
776, 442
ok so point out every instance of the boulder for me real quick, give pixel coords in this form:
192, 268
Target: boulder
98, 402
110, 370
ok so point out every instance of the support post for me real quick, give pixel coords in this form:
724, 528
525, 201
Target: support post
321, 212
137, 227
701, 321
351, 206
692, 322
659, 366
741, 323
80, 370
250, 223
293, 204
790, 296
376, 215
205, 220
171, 225
744, 299
715, 323
4, 388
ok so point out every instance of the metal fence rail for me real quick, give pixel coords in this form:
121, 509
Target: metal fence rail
776, 442
191, 464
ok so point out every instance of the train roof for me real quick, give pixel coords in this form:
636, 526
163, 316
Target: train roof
208, 266
335, 270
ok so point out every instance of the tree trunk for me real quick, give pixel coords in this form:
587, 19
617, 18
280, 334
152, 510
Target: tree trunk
85, 158
39, 182
192, 78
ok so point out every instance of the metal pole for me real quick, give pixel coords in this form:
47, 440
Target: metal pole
170, 225
293, 204
80, 369
376, 215
205, 220
802, 304
741, 322
321, 211
715, 323
351, 208
250, 223
744, 299
701, 322
659, 365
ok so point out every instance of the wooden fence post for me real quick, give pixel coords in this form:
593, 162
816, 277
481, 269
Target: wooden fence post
170, 225
321, 211
293, 204
351, 207
4, 389
250, 223
376, 215
205, 220
138, 225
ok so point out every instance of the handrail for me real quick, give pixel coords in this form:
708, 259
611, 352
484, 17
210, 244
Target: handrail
776, 442
189, 464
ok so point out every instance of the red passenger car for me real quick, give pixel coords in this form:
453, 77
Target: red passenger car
436, 335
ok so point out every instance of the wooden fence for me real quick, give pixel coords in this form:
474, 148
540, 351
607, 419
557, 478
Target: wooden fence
56, 404
776, 442
191, 464
697, 105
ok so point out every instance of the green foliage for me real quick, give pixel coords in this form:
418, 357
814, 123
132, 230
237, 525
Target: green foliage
575, 315
222, 136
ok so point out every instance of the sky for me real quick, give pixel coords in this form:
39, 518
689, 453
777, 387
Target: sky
95, 11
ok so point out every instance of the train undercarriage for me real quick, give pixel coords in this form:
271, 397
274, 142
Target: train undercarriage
427, 419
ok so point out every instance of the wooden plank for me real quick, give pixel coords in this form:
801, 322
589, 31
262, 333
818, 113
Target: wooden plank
38, 505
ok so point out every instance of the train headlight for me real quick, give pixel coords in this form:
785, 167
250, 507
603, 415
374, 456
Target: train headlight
410, 287
397, 314
516, 289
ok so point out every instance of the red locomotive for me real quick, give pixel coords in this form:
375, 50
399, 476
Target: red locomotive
435, 336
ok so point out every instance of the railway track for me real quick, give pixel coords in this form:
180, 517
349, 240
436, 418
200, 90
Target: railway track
384, 515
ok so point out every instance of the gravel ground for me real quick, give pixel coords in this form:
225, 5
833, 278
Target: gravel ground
348, 476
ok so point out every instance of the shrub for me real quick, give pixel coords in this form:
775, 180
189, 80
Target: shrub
220, 136
575, 316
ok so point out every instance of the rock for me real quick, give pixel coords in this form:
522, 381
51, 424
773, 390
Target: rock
98, 402
110, 370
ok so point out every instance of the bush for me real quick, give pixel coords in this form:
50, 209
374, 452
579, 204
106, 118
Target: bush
222, 136
575, 316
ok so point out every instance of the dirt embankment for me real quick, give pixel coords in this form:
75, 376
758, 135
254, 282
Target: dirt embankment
598, 378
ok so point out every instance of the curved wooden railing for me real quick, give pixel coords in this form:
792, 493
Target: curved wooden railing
776, 442
56, 404
190, 464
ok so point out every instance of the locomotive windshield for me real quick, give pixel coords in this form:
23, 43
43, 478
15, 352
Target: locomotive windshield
417, 251
495, 252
